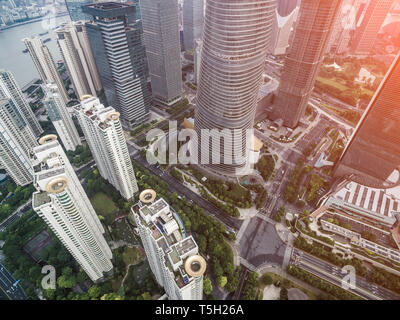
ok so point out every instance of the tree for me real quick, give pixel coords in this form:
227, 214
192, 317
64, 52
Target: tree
111, 296
283, 295
207, 286
66, 282
222, 281
94, 291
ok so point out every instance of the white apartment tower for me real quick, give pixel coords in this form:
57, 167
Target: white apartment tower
45, 65
172, 254
60, 117
63, 204
103, 132
9, 89
16, 141
78, 57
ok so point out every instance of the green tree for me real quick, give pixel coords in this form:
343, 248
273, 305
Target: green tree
222, 281
207, 286
94, 291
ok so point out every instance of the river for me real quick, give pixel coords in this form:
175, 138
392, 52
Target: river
20, 64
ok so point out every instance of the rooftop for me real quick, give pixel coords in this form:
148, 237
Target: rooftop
40, 198
381, 202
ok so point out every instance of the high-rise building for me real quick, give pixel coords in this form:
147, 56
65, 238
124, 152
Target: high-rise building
286, 7
116, 39
60, 117
103, 132
16, 141
162, 40
304, 59
62, 203
75, 9
372, 156
231, 72
45, 65
172, 254
193, 22
198, 47
78, 57
9, 89
282, 29
367, 32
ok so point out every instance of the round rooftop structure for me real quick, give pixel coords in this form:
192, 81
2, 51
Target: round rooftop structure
56, 185
147, 196
195, 266
113, 116
47, 138
85, 96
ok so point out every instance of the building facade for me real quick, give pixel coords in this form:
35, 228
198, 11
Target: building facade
9, 89
162, 41
60, 117
193, 22
103, 132
172, 254
78, 57
16, 141
230, 77
367, 32
62, 203
116, 39
372, 156
198, 47
45, 65
75, 9
304, 59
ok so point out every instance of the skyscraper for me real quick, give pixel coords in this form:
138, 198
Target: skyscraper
75, 9
60, 117
63, 204
193, 22
282, 29
16, 140
286, 7
372, 156
103, 132
116, 40
162, 40
304, 59
172, 254
45, 65
367, 32
9, 89
231, 71
78, 58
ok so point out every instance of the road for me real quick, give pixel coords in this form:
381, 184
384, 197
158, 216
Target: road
7, 290
332, 273
180, 189
243, 276
16, 215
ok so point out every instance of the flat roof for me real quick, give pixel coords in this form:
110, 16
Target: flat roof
40, 199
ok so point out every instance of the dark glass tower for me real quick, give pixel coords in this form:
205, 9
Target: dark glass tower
116, 38
372, 157
303, 61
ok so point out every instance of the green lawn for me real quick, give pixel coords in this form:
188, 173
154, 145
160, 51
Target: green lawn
103, 205
132, 255
333, 83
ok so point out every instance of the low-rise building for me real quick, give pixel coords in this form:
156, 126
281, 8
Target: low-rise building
366, 217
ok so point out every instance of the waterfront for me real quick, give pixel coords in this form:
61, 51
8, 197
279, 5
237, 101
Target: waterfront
19, 63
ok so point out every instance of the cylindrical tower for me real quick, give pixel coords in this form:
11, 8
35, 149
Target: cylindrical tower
236, 36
